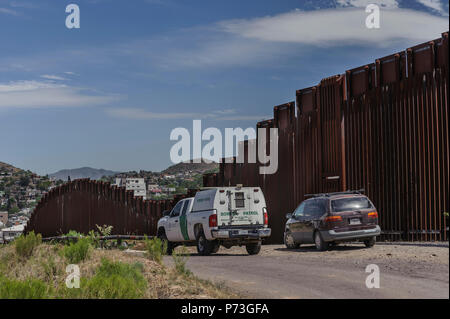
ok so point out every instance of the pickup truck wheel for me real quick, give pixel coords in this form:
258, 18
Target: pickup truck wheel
370, 242
204, 246
321, 245
289, 241
215, 248
164, 239
254, 248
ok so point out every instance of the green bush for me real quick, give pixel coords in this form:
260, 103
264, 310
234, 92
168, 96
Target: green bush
77, 252
27, 289
112, 280
73, 233
50, 268
104, 230
94, 238
155, 248
25, 244
180, 258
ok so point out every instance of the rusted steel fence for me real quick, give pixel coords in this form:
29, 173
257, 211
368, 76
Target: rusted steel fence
382, 127
82, 204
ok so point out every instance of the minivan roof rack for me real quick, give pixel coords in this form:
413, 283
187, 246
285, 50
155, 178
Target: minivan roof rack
349, 192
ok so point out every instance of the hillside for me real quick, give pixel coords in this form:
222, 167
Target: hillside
199, 168
4, 167
83, 172
20, 190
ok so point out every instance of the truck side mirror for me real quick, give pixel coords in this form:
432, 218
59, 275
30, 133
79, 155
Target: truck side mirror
166, 213
288, 216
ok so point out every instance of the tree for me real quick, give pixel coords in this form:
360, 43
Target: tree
24, 181
44, 185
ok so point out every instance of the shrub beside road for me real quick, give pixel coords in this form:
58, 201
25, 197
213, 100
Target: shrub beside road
31, 269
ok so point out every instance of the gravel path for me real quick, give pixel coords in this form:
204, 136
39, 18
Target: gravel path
406, 271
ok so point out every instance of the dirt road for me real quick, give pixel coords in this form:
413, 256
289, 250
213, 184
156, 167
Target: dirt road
406, 271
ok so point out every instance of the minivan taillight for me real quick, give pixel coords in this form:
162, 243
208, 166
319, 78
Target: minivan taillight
213, 220
266, 217
372, 215
333, 219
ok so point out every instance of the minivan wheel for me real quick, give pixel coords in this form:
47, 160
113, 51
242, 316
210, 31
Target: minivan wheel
321, 245
370, 242
289, 241
204, 246
253, 248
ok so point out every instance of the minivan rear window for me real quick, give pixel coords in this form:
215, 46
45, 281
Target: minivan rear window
348, 204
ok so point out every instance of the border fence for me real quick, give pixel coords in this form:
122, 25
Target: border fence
382, 127
82, 204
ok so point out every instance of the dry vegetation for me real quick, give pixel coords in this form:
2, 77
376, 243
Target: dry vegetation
46, 269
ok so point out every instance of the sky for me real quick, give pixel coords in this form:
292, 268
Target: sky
107, 95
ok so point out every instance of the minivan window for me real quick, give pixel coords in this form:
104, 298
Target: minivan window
349, 204
299, 210
315, 208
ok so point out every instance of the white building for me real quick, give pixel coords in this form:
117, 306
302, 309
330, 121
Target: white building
11, 233
119, 182
137, 185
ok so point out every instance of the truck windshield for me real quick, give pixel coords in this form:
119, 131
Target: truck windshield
348, 204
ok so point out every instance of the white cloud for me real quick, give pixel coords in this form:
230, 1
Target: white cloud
434, 5
339, 27
9, 11
248, 42
36, 94
52, 77
141, 114
391, 4
22, 4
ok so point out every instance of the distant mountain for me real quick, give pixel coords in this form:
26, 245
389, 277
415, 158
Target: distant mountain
194, 167
83, 172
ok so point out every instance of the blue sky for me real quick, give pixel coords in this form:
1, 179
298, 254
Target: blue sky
108, 94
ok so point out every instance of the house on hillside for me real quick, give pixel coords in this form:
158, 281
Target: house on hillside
9, 234
4, 217
137, 185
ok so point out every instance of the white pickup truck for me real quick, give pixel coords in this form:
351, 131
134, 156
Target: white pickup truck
226, 216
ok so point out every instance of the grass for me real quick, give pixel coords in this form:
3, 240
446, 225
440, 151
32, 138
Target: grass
26, 244
180, 258
112, 280
77, 252
26, 289
104, 274
155, 249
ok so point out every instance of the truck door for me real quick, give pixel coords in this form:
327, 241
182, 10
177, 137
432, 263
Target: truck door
183, 220
174, 232
241, 209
